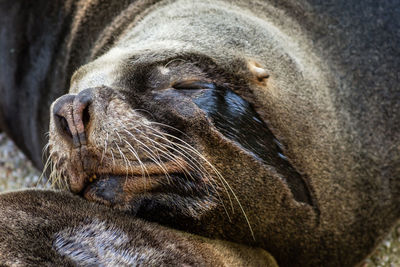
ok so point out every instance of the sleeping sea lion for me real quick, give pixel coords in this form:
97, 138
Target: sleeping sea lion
266, 123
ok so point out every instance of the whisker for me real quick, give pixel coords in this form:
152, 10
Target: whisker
53, 176
142, 166
45, 149
194, 167
219, 175
192, 149
148, 151
46, 165
125, 160
145, 111
188, 157
113, 159
170, 156
127, 164
168, 126
105, 149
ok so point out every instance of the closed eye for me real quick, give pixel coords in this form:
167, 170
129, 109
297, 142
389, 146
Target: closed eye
193, 85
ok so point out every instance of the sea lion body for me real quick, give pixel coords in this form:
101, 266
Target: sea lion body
36, 232
270, 124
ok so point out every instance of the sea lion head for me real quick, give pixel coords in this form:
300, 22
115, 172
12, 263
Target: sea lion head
215, 120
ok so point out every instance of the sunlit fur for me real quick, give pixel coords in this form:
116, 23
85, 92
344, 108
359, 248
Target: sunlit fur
330, 99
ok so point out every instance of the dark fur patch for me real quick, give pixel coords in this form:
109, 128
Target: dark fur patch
235, 118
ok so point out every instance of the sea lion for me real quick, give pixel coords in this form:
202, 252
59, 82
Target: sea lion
34, 231
266, 123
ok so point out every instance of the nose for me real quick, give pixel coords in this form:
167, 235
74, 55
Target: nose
71, 116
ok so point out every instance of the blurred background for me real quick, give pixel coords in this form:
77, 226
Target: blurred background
17, 172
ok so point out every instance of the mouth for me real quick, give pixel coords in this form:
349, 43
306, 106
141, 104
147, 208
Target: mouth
111, 189
150, 185
121, 186
142, 175
155, 197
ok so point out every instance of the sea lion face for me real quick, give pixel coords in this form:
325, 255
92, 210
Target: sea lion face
166, 139
207, 138
125, 146
151, 141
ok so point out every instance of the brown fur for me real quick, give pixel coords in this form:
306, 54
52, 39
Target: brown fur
329, 103
45, 228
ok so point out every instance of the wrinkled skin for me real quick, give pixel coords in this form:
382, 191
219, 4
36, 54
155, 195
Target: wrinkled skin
267, 124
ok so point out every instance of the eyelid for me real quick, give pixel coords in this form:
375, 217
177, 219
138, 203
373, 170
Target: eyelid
193, 85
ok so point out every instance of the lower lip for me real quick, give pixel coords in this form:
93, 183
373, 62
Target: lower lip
111, 189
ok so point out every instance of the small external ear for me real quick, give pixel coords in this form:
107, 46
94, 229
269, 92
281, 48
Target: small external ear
259, 73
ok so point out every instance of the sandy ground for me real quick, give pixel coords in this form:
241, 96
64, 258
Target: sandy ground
17, 172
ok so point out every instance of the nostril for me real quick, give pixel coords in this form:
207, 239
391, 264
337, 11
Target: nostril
62, 115
86, 116
81, 113
64, 125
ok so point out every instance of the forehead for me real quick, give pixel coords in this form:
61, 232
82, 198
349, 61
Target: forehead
120, 66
